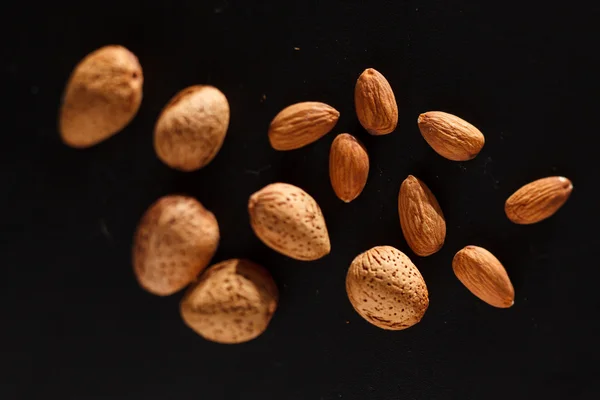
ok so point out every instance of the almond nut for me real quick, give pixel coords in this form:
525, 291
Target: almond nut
538, 200
348, 167
375, 103
289, 220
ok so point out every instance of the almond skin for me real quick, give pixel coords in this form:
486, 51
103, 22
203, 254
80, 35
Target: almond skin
301, 124
289, 220
450, 136
191, 128
386, 288
348, 167
232, 302
102, 96
375, 103
421, 217
538, 200
484, 276
174, 242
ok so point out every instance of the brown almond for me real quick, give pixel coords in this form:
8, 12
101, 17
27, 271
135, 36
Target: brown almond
348, 167
103, 94
386, 289
482, 273
191, 128
375, 103
301, 124
289, 220
538, 200
232, 302
421, 217
174, 242
450, 136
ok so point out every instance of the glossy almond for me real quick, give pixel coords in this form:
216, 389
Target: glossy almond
174, 242
538, 200
348, 167
375, 103
421, 217
386, 288
103, 94
191, 128
289, 220
450, 136
232, 302
301, 124
482, 273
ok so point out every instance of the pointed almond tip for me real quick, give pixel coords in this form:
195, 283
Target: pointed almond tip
566, 181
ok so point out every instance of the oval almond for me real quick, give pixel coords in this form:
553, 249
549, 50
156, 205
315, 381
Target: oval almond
348, 167
375, 103
538, 200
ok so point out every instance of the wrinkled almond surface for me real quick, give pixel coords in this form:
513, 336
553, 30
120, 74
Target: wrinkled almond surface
102, 96
538, 200
232, 302
192, 127
482, 273
386, 288
421, 217
348, 167
375, 103
450, 136
289, 220
301, 124
174, 242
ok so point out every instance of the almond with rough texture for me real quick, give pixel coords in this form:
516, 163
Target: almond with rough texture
450, 136
375, 103
232, 302
421, 217
538, 200
386, 288
301, 124
192, 127
174, 242
289, 220
484, 276
102, 96
348, 167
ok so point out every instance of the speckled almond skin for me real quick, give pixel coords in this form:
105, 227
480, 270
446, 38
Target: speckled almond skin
103, 94
538, 200
174, 242
289, 220
232, 302
375, 103
386, 288
191, 128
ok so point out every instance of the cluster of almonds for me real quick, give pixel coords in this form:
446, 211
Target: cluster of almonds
233, 301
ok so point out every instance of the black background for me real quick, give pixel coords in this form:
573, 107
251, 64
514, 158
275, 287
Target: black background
77, 326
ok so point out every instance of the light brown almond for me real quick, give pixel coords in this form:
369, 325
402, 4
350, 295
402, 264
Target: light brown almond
174, 242
103, 94
191, 128
348, 167
421, 217
450, 136
375, 103
289, 220
386, 288
482, 273
232, 302
301, 124
538, 200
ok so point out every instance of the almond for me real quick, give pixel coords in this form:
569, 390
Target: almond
289, 220
484, 276
348, 167
538, 200
174, 242
375, 103
103, 94
232, 302
191, 128
386, 288
301, 124
450, 136
421, 217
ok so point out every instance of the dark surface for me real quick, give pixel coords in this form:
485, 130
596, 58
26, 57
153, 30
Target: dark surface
77, 326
